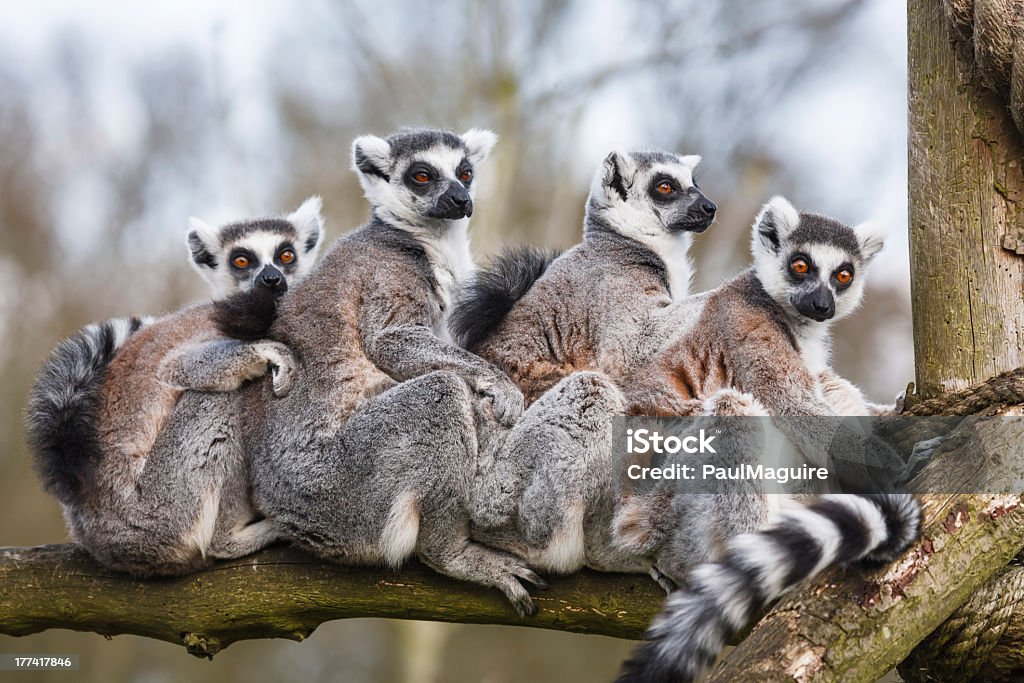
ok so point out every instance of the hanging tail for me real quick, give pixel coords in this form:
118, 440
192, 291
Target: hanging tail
492, 292
724, 596
63, 406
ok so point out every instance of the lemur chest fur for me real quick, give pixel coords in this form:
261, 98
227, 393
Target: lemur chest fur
451, 263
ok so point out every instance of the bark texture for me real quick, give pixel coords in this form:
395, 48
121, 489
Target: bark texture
282, 593
966, 200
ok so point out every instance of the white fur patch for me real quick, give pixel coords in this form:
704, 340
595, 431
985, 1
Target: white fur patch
479, 142
201, 534
402, 528
871, 236
308, 220
566, 551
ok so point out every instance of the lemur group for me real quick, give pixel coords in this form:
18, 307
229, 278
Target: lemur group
393, 401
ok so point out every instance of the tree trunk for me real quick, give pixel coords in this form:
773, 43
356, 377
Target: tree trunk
966, 198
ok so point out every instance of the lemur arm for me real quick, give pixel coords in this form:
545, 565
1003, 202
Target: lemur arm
225, 364
398, 338
775, 374
847, 399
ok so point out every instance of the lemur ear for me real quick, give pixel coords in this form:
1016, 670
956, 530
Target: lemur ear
371, 157
309, 223
777, 219
479, 143
616, 174
202, 244
871, 236
690, 160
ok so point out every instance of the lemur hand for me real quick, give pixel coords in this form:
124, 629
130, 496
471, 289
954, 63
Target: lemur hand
281, 364
506, 399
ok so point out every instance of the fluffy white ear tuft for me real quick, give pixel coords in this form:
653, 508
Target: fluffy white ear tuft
308, 220
371, 157
871, 236
690, 160
203, 244
774, 222
479, 142
614, 177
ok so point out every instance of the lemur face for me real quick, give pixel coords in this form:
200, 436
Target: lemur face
648, 195
421, 177
266, 252
812, 265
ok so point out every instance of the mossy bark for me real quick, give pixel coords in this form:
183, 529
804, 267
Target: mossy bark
966, 206
282, 593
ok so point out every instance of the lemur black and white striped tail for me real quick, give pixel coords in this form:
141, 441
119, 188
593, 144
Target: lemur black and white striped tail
722, 597
60, 421
492, 292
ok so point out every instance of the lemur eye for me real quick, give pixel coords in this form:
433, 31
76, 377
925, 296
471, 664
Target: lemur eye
466, 176
664, 187
844, 277
800, 266
421, 177
240, 261
287, 256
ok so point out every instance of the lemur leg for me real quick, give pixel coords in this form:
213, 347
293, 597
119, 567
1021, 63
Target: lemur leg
246, 540
239, 530
224, 365
548, 469
411, 454
164, 525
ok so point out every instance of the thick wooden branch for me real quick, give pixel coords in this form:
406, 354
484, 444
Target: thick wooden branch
854, 627
282, 593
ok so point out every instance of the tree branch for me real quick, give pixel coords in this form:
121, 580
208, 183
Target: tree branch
852, 627
283, 593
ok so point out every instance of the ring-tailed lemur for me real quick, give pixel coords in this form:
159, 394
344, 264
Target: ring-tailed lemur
370, 459
548, 320
807, 271
149, 474
540, 318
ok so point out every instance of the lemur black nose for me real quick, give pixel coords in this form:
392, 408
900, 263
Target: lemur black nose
821, 306
708, 207
271, 278
460, 200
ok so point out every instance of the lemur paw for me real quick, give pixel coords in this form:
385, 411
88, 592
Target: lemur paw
282, 367
507, 401
732, 402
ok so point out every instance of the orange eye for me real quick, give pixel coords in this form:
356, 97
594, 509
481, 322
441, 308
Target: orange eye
466, 176
844, 277
287, 256
664, 187
240, 262
421, 177
800, 266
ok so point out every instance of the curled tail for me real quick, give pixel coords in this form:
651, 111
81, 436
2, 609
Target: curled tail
723, 597
493, 291
246, 315
63, 405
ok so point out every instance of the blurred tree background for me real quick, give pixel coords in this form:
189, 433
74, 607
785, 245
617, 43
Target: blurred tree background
119, 120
